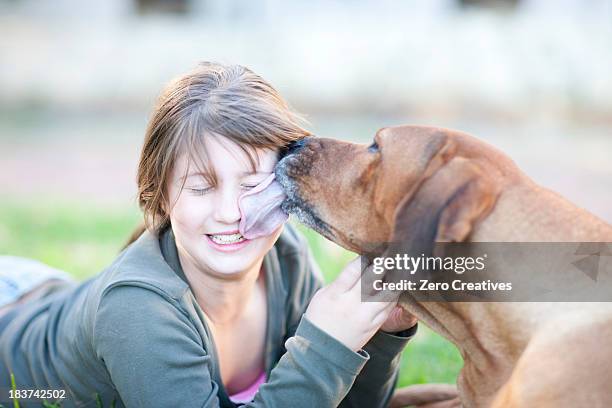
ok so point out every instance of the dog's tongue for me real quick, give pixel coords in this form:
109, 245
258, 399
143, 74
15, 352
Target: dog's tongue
260, 211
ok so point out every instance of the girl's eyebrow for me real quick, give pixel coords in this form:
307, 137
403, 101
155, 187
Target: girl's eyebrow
244, 173
186, 176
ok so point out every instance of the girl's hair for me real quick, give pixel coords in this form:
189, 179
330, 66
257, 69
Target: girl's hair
213, 99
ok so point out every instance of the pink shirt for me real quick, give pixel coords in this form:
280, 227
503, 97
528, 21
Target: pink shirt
248, 393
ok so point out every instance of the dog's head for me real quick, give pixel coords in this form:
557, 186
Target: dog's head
409, 180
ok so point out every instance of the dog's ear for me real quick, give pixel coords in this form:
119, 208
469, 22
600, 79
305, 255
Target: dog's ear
412, 154
445, 207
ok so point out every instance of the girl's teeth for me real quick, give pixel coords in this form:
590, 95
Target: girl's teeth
227, 239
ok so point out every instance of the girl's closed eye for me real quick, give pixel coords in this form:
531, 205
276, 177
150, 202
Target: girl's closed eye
199, 190
248, 186
253, 182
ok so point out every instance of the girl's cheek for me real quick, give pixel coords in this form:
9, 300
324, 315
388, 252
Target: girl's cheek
191, 210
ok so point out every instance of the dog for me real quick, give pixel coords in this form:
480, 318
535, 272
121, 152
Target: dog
439, 185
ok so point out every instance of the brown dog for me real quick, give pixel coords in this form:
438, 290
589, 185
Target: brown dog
443, 185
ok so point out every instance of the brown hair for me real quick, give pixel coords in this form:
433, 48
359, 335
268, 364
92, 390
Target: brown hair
230, 101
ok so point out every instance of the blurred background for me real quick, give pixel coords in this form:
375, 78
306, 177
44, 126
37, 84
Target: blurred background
79, 79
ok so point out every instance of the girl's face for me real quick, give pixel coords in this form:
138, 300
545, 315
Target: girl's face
205, 216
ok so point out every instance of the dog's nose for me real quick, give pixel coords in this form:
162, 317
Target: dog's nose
293, 147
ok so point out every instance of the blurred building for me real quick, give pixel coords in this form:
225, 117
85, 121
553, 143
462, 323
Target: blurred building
507, 57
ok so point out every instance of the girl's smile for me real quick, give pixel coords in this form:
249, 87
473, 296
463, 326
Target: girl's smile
228, 241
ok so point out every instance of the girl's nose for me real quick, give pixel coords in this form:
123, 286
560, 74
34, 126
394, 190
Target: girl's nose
227, 210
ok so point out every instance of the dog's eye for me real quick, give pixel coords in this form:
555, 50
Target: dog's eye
373, 148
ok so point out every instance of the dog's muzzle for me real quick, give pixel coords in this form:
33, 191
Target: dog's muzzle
293, 166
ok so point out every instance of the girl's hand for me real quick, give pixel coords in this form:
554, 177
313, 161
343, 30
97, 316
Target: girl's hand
399, 320
337, 309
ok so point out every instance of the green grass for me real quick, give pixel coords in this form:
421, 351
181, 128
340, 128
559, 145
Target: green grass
14, 387
82, 239
79, 239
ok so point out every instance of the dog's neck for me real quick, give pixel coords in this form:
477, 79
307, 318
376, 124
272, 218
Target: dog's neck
489, 336
483, 329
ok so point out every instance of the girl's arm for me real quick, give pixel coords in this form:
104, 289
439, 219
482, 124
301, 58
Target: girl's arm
375, 384
155, 357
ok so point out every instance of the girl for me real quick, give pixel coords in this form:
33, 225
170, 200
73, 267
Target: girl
192, 314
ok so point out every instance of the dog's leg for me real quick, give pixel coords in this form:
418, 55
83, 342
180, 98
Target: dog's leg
564, 365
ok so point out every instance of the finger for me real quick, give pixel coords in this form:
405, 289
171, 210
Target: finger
348, 277
382, 307
377, 302
382, 312
384, 296
389, 307
372, 294
371, 289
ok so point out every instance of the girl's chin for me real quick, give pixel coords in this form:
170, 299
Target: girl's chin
232, 263
230, 271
